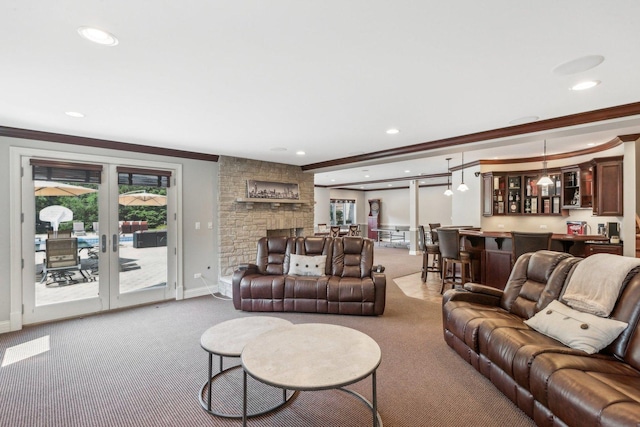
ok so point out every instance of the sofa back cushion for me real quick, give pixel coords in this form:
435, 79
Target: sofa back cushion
352, 257
273, 254
313, 246
536, 280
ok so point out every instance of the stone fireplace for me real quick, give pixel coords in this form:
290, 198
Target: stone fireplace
242, 223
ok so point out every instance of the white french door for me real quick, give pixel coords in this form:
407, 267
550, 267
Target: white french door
96, 248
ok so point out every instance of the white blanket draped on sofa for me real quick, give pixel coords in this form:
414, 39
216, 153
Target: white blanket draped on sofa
595, 283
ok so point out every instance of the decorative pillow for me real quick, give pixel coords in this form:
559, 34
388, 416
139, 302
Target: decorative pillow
303, 265
582, 331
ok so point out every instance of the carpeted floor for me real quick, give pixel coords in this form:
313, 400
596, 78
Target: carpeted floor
144, 367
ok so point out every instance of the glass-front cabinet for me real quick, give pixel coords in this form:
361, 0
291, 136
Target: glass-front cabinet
519, 193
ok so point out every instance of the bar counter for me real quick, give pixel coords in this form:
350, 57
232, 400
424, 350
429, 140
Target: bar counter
491, 252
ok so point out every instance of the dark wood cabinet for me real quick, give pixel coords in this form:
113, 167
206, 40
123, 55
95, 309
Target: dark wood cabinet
600, 248
496, 268
608, 194
518, 193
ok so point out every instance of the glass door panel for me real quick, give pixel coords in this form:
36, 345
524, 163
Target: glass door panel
89, 247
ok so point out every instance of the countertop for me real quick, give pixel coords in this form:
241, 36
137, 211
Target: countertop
556, 236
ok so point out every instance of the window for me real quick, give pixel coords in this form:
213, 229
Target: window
342, 211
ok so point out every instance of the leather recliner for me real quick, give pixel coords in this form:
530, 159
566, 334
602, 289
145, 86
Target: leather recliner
349, 284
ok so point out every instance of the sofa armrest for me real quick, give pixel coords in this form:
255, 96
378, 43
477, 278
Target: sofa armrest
380, 285
248, 266
483, 289
243, 270
474, 293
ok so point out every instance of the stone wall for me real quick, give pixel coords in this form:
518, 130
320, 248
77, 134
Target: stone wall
240, 226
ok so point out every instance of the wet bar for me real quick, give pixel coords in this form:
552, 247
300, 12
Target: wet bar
491, 251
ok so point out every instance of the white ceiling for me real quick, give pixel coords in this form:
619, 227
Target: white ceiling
250, 78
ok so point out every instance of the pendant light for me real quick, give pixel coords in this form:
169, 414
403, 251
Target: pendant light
462, 187
448, 191
545, 180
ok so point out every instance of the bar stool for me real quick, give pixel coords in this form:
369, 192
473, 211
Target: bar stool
449, 242
522, 242
428, 249
433, 249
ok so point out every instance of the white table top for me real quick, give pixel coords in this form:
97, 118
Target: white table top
230, 337
311, 356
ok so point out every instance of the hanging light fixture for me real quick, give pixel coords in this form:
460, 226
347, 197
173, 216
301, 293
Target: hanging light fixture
545, 180
462, 187
448, 191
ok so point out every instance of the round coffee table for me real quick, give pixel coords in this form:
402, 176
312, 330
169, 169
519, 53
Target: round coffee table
313, 356
227, 339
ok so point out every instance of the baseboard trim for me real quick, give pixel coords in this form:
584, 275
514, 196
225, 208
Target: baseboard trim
198, 292
5, 327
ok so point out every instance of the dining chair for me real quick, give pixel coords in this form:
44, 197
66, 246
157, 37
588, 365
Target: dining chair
334, 231
524, 242
354, 230
452, 256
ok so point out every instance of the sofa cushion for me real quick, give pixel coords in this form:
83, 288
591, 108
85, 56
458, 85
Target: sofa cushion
582, 331
580, 398
305, 265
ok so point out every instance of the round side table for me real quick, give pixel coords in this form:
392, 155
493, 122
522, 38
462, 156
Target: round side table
228, 339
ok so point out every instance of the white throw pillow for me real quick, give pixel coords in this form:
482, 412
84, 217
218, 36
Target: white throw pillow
582, 331
304, 265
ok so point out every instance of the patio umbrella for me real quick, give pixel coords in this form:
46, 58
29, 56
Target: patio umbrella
142, 199
52, 188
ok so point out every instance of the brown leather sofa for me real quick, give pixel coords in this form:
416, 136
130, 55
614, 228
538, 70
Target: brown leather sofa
552, 383
348, 284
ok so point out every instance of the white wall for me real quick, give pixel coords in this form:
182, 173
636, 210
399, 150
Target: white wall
321, 199
467, 206
199, 185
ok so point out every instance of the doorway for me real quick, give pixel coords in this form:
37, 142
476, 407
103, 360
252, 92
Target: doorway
105, 235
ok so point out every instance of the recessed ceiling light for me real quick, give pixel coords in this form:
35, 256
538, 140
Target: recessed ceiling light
362, 186
392, 131
523, 120
333, 180
74, 114
389, 185
407, 171
578, 65
585, 85
421, 182
300, 153
366, 176
98, 36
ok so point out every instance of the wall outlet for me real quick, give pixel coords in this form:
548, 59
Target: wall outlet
500, 225
543, 226
197, 275
197, 226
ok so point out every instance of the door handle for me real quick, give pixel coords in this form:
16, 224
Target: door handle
115, 243
103, 244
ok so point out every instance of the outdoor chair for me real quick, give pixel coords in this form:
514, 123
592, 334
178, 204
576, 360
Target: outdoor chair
61, 260
78, 229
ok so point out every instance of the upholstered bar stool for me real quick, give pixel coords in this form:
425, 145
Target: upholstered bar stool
452, 256
422, 245
433, 250
522, 242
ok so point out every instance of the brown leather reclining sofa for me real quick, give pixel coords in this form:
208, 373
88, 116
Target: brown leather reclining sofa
554, 384
348, 284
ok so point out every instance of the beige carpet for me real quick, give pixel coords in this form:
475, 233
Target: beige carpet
144, 367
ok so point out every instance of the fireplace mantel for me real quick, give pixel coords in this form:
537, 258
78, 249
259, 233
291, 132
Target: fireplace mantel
275, 203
